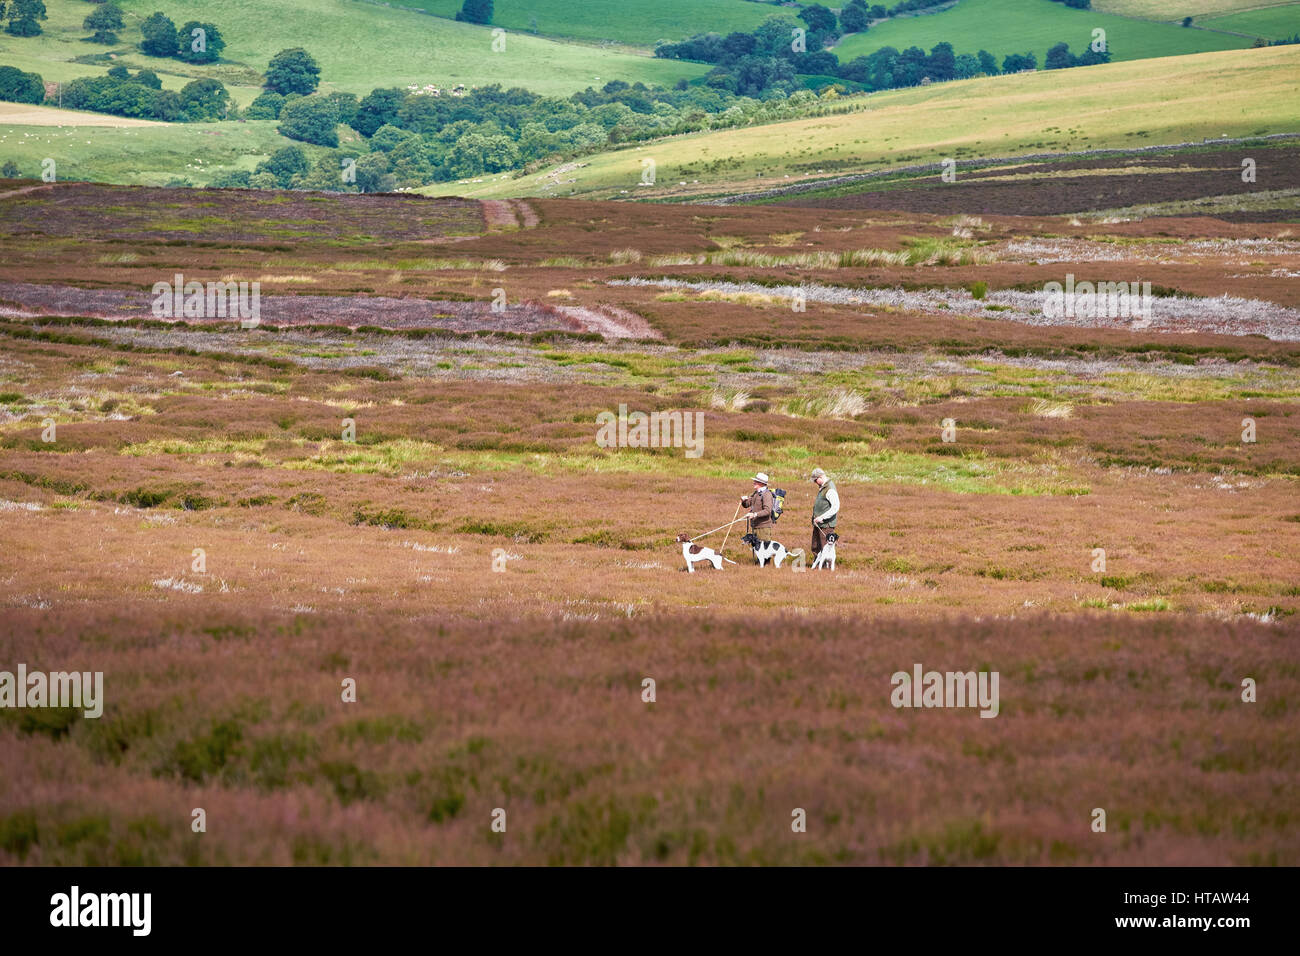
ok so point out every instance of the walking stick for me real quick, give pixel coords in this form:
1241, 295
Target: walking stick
734, 519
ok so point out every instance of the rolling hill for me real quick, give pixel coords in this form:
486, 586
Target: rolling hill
1175, 10
634, 22
1239, 93
1272, 23
1021, 26
359, 46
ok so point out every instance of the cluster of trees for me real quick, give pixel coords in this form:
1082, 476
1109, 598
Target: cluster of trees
141, 95
24, 17
19, 87
1059, 57
911, 6
414, 138
195, 42
103, 23
475, 11
1076, 4
771, 58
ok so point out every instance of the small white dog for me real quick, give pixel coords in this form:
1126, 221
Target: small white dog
827, 553
694, 553
766, 551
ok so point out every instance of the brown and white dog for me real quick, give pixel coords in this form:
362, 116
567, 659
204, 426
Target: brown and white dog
694, 553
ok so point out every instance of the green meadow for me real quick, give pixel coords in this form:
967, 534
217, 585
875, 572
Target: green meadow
145, 155
1033, 26
634, 22
359, 46
1271, 23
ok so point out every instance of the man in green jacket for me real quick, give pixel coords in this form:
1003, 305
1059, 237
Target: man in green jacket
826, 509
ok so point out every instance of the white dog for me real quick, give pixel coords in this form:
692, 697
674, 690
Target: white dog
827, 553
694, 553
766, 551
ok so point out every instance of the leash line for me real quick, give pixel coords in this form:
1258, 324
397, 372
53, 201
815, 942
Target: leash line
734, 519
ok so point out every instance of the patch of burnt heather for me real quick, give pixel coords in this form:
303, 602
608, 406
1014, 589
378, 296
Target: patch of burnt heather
197, 216
1166, 177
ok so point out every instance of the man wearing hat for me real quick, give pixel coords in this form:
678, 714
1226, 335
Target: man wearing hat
760, 504
826, 509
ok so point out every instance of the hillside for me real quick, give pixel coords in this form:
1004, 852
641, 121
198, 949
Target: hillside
359, 46
1211, 95
1273, 23
1175, 10
1020, 26
634, 22
119, 150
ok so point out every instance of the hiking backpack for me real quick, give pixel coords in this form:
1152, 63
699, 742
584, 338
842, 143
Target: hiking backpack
778, 503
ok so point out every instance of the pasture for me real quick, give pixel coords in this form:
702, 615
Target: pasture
638, 23
1272, 23
1034, 26
359, 46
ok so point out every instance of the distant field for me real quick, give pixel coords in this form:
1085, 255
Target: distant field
1253, 92
637, 22
1176, 9
132, 151
1272, 23
1020, 26
359, 46
26, 115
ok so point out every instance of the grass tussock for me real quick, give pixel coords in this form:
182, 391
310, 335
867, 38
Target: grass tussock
839, 403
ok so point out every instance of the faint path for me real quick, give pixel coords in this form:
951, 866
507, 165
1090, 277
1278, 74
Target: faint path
508, 215
526, 213
26, 189
26, 114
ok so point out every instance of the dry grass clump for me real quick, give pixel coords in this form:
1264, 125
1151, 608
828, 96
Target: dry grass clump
1045, 408
729, 400
965, 227
682, 259
622, 257
755, 299
839, 403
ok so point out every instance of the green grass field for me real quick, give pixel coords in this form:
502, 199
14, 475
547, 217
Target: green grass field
1240, 93
152, 155
360, 46
1022, 26
1271, 23
634, 22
